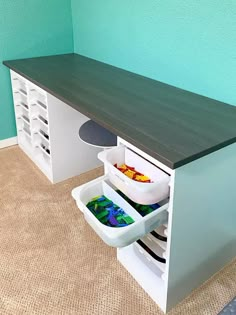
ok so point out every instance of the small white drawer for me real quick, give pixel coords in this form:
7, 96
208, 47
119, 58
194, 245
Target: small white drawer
26, 131
20, 97
117, 236
39, 110
44, 147
142, 193
19, 86
150, 259
25, 118
154, 246
36, 92
159, 237
40, 123
43, 135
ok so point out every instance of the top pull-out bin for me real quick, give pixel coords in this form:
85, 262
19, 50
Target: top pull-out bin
143, 193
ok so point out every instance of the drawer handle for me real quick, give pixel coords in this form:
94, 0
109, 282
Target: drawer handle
125, 182
150, 252
159, 237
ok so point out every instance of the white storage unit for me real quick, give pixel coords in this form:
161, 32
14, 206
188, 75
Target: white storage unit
150, 230
157, 253
47, 132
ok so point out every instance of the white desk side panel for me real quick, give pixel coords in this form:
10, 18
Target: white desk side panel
70, 156
203, 233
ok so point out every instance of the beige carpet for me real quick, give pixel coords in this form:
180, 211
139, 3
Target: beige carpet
51, 262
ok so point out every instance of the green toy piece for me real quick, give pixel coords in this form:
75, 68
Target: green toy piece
108, 213
141, 209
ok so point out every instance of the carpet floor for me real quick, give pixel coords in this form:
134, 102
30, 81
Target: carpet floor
51, 261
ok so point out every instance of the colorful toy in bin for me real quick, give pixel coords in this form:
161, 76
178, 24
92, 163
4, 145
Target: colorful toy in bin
132, 173
141, 209
109, 213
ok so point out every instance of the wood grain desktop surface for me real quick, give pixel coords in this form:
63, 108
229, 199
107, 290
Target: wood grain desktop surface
172, 125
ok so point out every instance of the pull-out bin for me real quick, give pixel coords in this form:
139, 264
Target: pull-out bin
142, 193
153, 264
117, 236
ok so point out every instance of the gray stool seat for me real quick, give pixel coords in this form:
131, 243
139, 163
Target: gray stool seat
230, 309
94, 134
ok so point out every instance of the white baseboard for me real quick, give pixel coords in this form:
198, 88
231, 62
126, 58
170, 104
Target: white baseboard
8, 142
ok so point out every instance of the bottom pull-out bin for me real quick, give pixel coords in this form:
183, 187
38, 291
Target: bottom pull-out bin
117, 236
151, 259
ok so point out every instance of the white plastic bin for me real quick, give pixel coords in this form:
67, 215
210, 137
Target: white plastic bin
159, 237
154, 246
113, 236
143, 193
156, 266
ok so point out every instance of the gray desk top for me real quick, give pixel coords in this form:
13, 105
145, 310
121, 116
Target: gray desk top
172, 125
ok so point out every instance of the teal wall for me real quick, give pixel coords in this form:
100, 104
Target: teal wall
189, 44
29, 28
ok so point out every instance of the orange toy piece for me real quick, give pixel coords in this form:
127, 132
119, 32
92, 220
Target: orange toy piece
142, 178
130, 167
123, 168
132, 173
